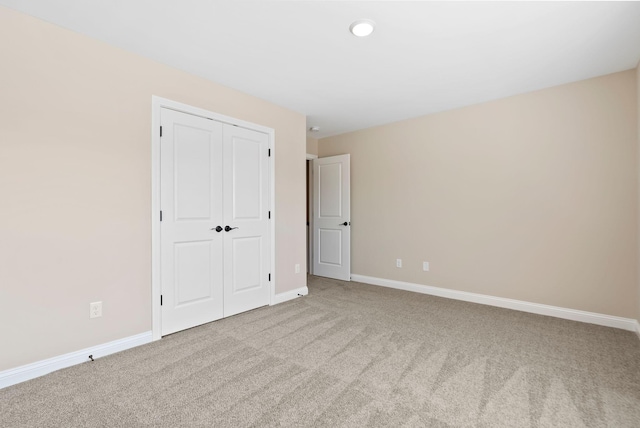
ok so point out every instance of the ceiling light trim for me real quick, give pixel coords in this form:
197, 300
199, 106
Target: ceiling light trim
362, 27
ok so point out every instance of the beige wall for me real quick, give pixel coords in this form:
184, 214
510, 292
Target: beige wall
532, 197
312, 146
75, 174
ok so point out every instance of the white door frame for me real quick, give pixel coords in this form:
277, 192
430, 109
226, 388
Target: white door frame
157, 103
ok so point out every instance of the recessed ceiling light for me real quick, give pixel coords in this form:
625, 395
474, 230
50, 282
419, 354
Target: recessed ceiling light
314, 129
362, 27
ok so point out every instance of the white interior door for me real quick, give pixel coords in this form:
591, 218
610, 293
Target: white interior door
191, 203
246, 213
332, 217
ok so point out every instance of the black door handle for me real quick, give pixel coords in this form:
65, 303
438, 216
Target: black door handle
344, 224
227, 228
217, 228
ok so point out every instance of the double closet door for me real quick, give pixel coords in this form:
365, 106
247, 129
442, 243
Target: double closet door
215, 234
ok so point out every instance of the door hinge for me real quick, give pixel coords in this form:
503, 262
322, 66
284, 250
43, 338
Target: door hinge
269, 214
269, 152
160, 215
161, 300
269, 277
161, 131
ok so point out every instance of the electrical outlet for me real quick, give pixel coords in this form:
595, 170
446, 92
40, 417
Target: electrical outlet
399, 263
95, 309
297, 268
425, 266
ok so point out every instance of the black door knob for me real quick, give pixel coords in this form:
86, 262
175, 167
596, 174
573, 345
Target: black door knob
344, 224
227, 228
217, 228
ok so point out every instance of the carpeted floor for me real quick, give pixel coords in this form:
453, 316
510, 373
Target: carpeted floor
352, 355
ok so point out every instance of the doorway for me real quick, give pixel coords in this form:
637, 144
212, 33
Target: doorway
329, 216
309, 211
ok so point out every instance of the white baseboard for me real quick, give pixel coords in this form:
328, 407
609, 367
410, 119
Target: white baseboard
41, 368
518, 305
289, 295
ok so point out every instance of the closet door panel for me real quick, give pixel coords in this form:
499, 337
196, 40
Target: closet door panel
191, 203
246, 245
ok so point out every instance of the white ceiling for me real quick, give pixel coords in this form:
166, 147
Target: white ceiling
423, 57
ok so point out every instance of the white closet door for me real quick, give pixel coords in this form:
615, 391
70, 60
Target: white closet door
246, 213
191, 202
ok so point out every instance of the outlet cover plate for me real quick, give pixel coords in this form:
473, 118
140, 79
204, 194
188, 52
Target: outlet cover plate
95, 309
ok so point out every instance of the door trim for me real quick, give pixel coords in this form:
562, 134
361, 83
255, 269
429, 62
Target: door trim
157, 103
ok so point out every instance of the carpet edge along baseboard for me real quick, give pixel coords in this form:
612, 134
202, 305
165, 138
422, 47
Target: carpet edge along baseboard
628, 324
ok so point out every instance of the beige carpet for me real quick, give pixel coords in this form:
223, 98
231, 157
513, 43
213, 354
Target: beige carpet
352, 355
